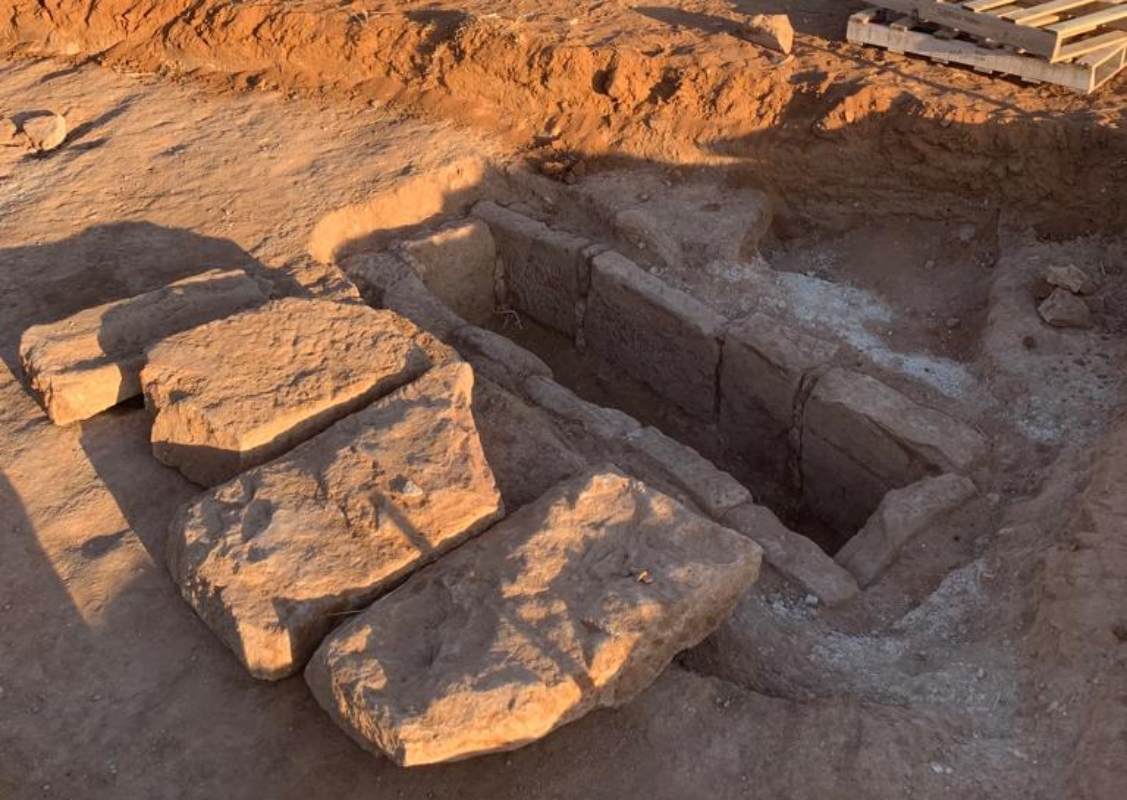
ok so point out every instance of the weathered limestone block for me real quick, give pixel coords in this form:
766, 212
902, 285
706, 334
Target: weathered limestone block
272, 559
902, 514
376, 272
762, 370
793, 555
412, 299
574, 602
887, 432
240, 391
497, 358
546, 271
713, 490
524, 448
606, 423
92, 360
456, 263
861, 437
655, 333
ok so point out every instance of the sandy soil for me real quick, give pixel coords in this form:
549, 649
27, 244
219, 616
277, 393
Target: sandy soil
676, 83
1004, 678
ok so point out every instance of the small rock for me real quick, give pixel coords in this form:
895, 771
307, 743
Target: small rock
1072, 278
772, 31
952, 323
45, 132
8, 132
965, 232
1063, 309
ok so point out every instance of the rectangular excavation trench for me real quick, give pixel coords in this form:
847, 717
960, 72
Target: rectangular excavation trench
764, 401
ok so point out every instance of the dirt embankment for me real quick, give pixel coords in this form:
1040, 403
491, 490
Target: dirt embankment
582, 79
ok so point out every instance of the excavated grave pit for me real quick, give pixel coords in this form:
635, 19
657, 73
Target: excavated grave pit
783, 406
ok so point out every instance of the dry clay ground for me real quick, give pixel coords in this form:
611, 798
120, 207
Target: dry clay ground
110, 687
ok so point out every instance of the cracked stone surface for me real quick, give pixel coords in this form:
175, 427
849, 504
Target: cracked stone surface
271, 560
237, 392
576, 601
90, 361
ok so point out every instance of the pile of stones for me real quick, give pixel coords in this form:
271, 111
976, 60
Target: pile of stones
352, 526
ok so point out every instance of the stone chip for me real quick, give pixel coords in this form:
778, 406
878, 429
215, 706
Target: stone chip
1063, 309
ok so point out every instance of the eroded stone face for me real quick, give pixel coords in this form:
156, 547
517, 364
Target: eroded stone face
861, 437
655, 333
268, 559
239, 391
762, 373
576, 601
546, 270
902, 514
91, 361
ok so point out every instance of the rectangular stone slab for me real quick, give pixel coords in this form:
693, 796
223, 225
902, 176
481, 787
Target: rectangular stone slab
765, 365
546, 270
272, 560
91, 361
239, 391
861, 438
653, 332
902, 514
576, 601
892, 435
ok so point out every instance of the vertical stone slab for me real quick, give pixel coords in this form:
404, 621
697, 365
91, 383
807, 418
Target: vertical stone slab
902, 514
764, 364
456, 263
271, 560
546, 270
861, 436
576, 601
792, 554
654, 333
715, 491
522, 444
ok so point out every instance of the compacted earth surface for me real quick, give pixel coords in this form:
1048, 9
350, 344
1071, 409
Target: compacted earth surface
925, 264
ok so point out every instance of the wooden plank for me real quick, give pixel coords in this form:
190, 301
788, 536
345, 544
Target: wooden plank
1031, 14
1091, 45
1104, 68
1088, 22
1083, 76
1033, 40
985, 5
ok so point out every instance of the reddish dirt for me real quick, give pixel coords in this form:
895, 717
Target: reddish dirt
583, 78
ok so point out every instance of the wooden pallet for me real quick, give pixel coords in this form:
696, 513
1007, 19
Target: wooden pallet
1083, 69
1057, 30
